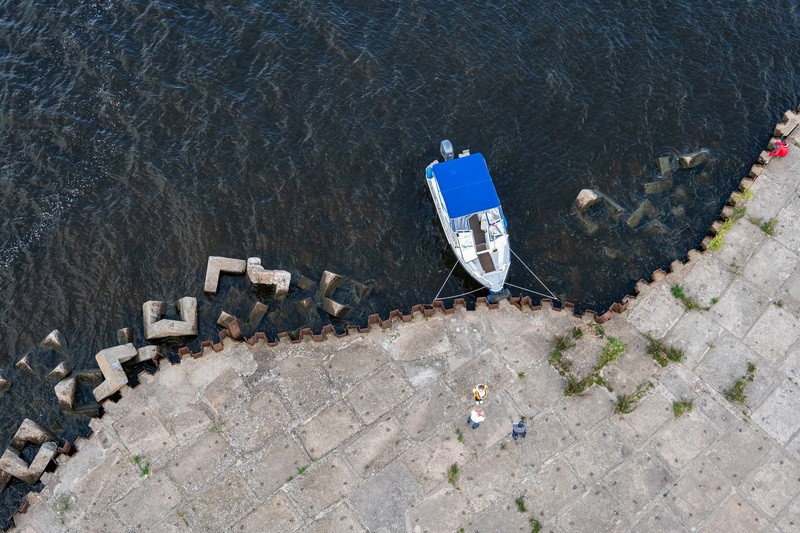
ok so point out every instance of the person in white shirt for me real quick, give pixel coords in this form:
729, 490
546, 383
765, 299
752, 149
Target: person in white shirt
476, 417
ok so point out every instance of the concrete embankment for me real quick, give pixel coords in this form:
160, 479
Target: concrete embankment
367, 431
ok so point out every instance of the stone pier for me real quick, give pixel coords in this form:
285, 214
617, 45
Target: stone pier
367, 432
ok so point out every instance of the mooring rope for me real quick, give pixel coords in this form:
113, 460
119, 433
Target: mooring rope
445, 281
530, 290
535, 276
459, 295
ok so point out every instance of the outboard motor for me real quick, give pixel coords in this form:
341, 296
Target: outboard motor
446, 149
495, 297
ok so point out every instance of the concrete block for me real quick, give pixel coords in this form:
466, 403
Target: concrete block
429, 412
328, 429
263, 417
224, 318
444, 510
646, 208
739, 307
221, 505
657, 187
773, 334
707, 280
29, 432
774, 484
551, 488
694, 159
124, 335
790, 519
218, 265
193, 466
694, 333
110, 362
664, 167
502, 516
586, 199
595, 511
778, 414
54, 340
340, 518
428, 462
25, 363
259, 276
376, 447
595, 454
302, 385
737, 515
547, 436
274, 464
696, 495
684, 438
148, 503
13, 464
770, 266
60, 371
323, 484
383, 499
278, 511
738, 451
257, 314
658, 518
638, 480
334, 308
65, 392
379, 394
352, 363
143, 433
727, 361
581, 413
656, 312
157, 328
4, 385
151, 352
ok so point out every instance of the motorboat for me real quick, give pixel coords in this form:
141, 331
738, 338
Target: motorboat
471, 216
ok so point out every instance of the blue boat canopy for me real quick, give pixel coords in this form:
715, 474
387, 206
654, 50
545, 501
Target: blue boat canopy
466, 185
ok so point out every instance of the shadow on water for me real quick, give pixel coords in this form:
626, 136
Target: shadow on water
141, 137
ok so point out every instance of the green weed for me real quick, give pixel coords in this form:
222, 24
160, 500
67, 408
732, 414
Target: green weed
681, 407
688, 303
613, 350
577, 333
738, 212
662, 352
767, 227
736, 392
452, 474
536, 526
459, 435
142, 465
520, 505
521, 374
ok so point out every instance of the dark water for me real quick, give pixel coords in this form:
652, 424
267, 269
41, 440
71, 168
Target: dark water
138, 138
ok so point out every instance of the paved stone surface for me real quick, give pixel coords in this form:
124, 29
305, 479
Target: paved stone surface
367, 432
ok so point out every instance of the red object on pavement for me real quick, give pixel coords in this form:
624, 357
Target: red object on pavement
781, 149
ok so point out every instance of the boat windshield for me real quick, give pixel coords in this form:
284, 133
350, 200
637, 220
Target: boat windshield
492, 221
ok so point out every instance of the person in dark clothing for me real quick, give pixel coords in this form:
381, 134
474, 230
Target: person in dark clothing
520, 429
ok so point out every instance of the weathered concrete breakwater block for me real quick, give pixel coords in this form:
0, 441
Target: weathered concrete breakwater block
586, 199
260, 277
647, 208
110, 362
12, 464
694, 159
54, 340
664, 167
65, 392
60, 371
327, 284
218, 265
4, 385
156, 328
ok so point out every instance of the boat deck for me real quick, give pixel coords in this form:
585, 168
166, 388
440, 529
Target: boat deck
479, 237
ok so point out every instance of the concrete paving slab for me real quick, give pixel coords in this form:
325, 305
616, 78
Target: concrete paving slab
694, 333
336, 520
547, 436
789, 294
790, 519
778, 414
264, 416
429, 462
539, 389
739, 307
188, 424
697, 494
684, 438
422, 374
274, 465
430, 411
769, 197
551, 488
739, 244
739, 451
501, 413
278, 513
774, 484
638, 480
727, 361
486, 480
787, 231
148, 503
430, 343
226, 394
323, 484
445, 510
707, 280
737, 516
328, 429
595, 511
650, 414
376, 447
502, 517
353, 362
682, 384
581, 413
382, 500
223, 503
770, 266
193, 466
659, 518
656, 312
302, 384
600, 450
773, 333
143, 433
379, 394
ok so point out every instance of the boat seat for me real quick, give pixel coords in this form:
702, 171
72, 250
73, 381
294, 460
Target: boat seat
486, 262
477, 233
